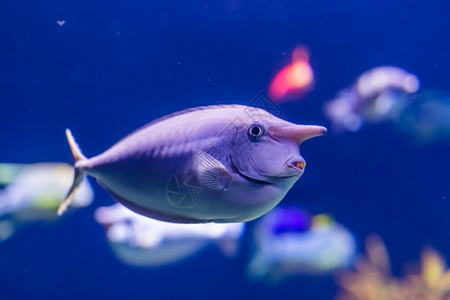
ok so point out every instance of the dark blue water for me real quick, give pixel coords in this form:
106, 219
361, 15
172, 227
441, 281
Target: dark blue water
116, 65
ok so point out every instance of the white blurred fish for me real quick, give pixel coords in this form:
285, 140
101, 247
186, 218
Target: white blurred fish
142, 241
377, 95
229, 163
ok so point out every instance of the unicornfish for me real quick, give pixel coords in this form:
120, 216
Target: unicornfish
222, 164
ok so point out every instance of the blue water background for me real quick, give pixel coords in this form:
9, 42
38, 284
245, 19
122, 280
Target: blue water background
116, 65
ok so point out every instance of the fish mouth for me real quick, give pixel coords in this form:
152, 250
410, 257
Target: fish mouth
297, 164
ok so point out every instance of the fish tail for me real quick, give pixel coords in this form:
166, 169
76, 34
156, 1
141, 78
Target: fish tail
79, 173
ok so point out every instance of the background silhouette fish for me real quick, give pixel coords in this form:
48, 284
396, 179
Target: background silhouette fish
221, 164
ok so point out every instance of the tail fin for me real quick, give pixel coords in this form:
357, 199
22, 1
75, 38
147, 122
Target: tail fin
79, 173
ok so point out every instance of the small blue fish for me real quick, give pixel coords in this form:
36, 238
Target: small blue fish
223, 164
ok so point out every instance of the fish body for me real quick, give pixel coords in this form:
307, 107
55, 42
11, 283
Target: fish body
220, 164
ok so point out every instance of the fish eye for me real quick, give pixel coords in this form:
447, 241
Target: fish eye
255, 130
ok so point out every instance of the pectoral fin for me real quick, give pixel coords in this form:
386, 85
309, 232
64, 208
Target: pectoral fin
212, 173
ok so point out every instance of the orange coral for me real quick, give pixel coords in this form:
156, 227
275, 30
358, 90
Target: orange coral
372, 279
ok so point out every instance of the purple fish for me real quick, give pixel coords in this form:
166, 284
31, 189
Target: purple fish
227, 163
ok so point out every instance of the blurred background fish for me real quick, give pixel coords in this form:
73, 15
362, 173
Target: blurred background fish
427, 118
376, 71
289, 241
295, 79
33, 192
377, 95
142, 241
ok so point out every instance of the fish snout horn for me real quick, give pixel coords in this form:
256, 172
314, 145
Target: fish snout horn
297, 133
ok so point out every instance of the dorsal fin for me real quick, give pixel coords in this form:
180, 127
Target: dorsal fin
183, 112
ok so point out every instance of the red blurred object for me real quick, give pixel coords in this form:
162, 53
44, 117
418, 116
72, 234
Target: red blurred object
294, 80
